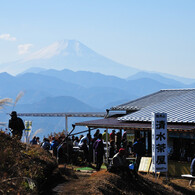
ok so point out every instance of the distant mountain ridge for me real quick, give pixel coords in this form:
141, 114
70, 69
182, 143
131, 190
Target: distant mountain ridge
69, 91
70, 54
95, 89
156, 77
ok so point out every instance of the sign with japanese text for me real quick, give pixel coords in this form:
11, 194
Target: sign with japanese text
159, 142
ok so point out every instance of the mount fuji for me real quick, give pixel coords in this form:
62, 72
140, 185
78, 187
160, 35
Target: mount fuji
69, 54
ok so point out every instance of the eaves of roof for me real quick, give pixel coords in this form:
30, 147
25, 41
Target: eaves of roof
113, 123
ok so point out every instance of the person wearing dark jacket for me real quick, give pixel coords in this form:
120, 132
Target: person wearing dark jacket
139, 151
16, 125
99, 151
112, 149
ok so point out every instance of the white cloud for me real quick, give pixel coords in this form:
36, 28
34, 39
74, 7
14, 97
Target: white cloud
7, 37
24, 48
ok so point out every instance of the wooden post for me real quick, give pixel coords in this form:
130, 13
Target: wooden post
66, 123
106, 145
90, 147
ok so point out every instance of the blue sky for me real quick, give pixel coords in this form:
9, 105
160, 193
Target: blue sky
152, 35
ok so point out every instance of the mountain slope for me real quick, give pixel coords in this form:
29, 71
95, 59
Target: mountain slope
69, 54
95, 89
56, 104
37, 87
86, 78
157, 77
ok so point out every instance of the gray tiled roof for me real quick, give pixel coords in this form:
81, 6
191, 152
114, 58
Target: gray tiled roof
178, 104
153, 98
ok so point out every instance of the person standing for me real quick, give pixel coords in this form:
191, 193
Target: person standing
99, 151
139, 151
118, 140
38, 141
104, 136
16, 125
46, 144
96, 134
33, 141
112, 149
112, 136
53, 146
192, 167
124, 139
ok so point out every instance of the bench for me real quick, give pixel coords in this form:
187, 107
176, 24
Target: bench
190, 177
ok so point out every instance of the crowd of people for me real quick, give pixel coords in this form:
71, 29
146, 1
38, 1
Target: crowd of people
87, 147
67, 149
84, 148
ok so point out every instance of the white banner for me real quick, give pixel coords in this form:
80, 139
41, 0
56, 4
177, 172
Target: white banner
159, 142
28, 129
28, 125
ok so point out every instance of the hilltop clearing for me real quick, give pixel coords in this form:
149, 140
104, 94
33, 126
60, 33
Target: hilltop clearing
31, 170
104, 182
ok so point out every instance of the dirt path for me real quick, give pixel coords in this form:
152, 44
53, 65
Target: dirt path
103, 182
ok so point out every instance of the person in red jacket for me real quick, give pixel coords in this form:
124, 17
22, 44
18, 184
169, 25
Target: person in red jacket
112, 136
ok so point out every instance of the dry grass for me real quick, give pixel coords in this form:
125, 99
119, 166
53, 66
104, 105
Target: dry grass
5, 102
20, 169
18, 97
104, 182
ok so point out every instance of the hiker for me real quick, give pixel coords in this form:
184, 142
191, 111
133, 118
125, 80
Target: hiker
118, 140
104, 136
138, 150
119, 163
38, 141
46, 145
112, 149
124, 139
192, 167
84, 148
53, 146
64, 150
96, 134
99, 151
112, 136
16, 125
33, 141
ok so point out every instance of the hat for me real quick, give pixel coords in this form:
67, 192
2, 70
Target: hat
121, 150
13, 113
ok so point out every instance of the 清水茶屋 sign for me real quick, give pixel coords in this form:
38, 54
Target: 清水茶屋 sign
159, 142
